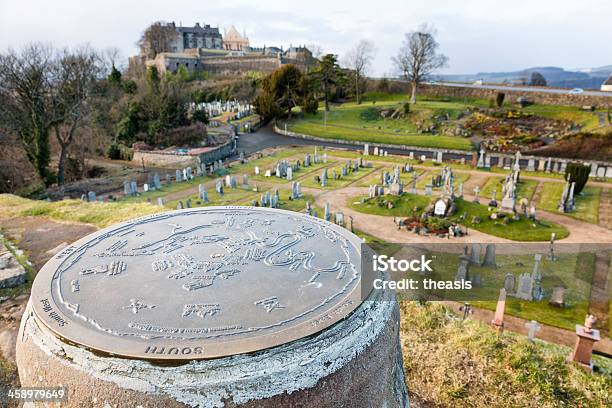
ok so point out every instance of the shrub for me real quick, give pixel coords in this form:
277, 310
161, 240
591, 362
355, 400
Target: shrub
369, 114
406, 108
500, 99
579, 174
117, 151
310, 105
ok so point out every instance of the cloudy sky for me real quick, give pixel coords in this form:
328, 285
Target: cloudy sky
476, 35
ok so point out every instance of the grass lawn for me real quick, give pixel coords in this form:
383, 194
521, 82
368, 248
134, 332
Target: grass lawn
589, 120
166, 189
520, 230
340, 181
525, 189
99, 214
375, 178
346, 122
402, 205
231, 196
459, 178
269, 163
284, 194
586, 204
574, 271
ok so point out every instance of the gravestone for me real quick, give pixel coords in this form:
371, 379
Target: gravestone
327, 214
91, 196
160, 201
481, 159
558, 296
475, 253
178, 176
498, 318
532, 328
428, 190
200, 329
509, 283
531, 164
462, 271
525, 287
145, 187
489, 258
440, 208
156, 181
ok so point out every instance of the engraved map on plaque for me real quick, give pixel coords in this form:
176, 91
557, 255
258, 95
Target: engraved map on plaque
201, 283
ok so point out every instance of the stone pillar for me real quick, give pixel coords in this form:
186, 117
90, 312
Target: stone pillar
356, 362
583, 349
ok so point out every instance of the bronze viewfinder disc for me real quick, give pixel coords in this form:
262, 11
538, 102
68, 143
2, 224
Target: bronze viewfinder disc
200, 283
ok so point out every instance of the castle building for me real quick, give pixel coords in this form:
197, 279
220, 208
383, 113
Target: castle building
202, 48
607, 86
198, 36
233, 41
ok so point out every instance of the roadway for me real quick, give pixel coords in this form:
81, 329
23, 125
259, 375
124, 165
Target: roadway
523, 89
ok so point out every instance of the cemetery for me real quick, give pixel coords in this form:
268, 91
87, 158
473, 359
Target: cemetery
411, 199
221, 221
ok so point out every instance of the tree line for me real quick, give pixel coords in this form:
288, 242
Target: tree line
62, 94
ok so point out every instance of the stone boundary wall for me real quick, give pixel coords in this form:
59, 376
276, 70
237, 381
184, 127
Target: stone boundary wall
545, 98
601, 169
240, 64
173, 159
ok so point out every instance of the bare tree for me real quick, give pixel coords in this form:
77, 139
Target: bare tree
157, 38
418, 57
315, 50
359, 59
111, 57
25, 94
74, 74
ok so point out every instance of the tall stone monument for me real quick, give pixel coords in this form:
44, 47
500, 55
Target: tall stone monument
158, 312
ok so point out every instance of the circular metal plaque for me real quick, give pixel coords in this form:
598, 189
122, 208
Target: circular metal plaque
200, 283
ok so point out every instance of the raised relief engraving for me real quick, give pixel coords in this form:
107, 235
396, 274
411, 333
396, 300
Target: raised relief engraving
201, 283
136, 305
201, 310
114, 268
75, 285
270, 303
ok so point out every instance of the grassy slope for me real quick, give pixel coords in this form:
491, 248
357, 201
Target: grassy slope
99, 214
457, 363
344, 122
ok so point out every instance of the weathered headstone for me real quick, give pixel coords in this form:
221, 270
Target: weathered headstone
532, 328
489, 258
525, 287
498, 318
558, 296
509, 283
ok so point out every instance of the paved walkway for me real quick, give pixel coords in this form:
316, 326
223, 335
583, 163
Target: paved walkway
605, 208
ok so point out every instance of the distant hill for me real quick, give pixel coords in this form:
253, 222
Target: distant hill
587, 78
